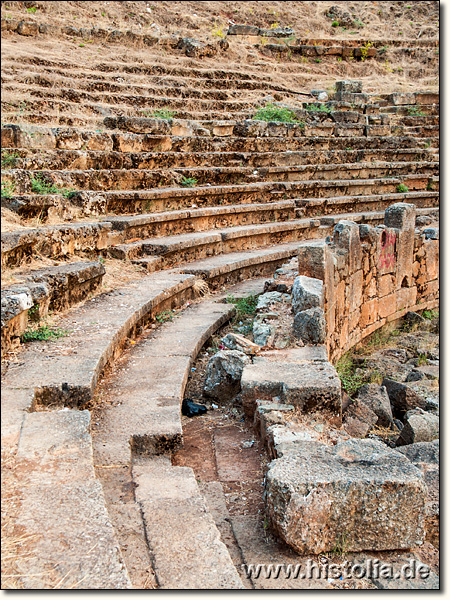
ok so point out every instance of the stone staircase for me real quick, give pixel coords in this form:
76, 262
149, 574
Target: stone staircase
208, 193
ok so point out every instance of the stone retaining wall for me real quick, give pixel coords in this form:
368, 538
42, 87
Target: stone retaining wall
373, 275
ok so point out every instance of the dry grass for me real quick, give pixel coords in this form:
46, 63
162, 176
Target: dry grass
407, 20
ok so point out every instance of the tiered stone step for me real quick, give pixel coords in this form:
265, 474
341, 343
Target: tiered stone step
184, 136
313, 207
144, 416
136, 179
53, 241
38, 159
44, 290
191, 246
97, 331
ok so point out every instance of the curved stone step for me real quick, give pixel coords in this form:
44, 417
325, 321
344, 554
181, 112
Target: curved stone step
192, 246
200, 219
41, 291
143, 416
313, 207
135, 179
34, 159
71, 138
67, 374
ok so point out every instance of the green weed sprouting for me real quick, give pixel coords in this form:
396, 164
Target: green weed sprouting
188, 181
43, 333
271, 112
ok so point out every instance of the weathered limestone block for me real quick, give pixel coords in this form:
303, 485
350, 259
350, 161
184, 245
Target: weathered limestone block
376, 398
269, 299
426, 97
419, 427
251, 128
347, 242
28, 28
400, 98
357, 99
354, 87
308, 384
243, 30
425, 455
312, 259
310, 326
358, 494
402, 216
369, 313
223, 374
263, 332
307, 292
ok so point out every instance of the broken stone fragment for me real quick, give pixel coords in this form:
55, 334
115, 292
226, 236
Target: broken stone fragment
307, 292
267, 300
310, 326
376, 398
359, 419
262, 332
357, 495
223, 374
404, 398
419, 427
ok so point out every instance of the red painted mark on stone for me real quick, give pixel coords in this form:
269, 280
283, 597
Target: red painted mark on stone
387, 254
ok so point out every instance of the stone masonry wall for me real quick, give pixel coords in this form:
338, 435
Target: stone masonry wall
373, 275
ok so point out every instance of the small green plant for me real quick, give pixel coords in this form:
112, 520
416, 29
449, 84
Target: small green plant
340, 546
318, 60
387, 67
365, 50
430, 186
218, 31
318, 108
414, 111
335, 24
402, 188
7, 190
271, 112
422, 360
430, 314
166, 315
9, 159
81, 45
188, 181
346, 369
32, 9
43, 333
244, 306
163, 113
40, 186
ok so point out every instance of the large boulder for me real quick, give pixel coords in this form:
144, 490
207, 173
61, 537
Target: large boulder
223, 374
357, 495
307, 292
376, 398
